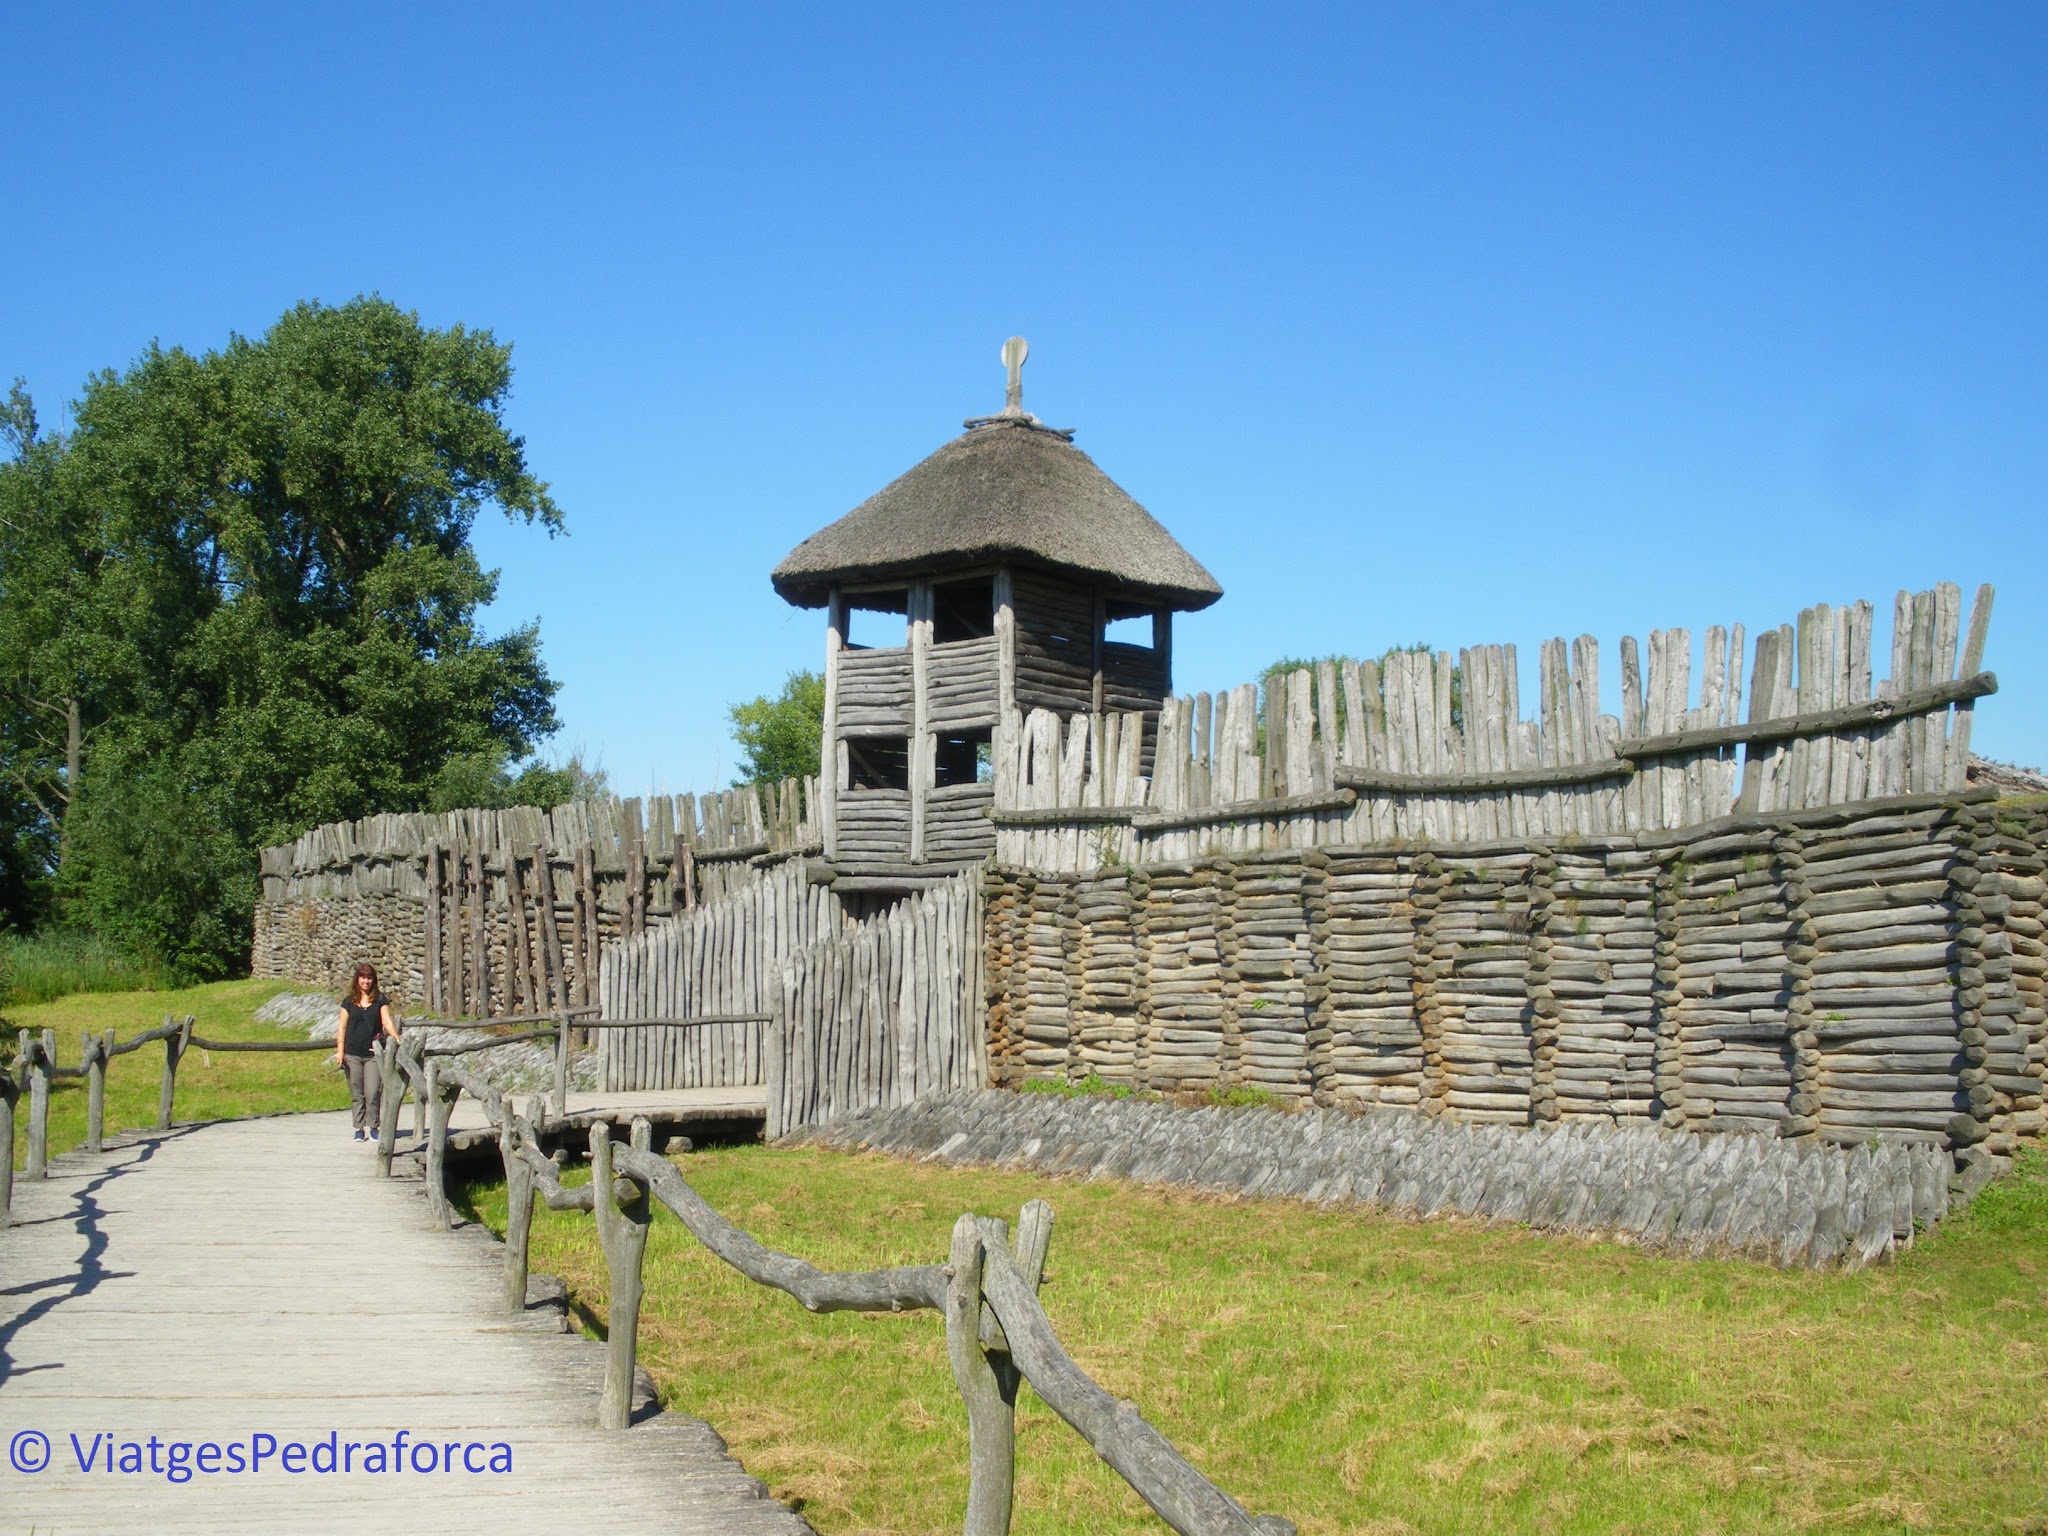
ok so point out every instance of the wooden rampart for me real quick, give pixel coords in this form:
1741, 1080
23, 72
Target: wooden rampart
489, 912
1854, 972
1435, 746
721, 961
882, 1013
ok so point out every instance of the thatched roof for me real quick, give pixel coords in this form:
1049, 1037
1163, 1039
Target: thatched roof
1006, 490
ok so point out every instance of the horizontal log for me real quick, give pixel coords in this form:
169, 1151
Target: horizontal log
1247, 810
490, 1043
1465, 783
511, 1018
1068, 816
264, 1045
887, 1290
1817, 722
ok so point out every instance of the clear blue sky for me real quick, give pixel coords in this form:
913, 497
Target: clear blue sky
1423, 322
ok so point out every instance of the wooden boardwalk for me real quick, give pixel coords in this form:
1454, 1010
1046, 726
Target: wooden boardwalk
246, 1278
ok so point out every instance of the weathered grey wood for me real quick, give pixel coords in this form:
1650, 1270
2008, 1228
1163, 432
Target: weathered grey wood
93, 1051
513, 1132
1252, 810
888, 1290
622, 1232
391, 1086
111, 1253
10, 1094
440, 1098
550, 932
174, 1049
991, 1413
39, 1055
437, 984
560, 1096
1465, 783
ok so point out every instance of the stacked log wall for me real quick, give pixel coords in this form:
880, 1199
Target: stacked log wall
1851, 973
479, 913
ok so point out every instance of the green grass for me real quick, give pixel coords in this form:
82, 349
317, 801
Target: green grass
212, 1085
47, 966
1360, 1373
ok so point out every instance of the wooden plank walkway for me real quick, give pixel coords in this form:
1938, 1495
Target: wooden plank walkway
221, 1281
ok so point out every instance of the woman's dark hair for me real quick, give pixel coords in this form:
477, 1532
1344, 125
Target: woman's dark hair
376, 991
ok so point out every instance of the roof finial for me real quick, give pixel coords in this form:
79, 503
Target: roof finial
1015, 350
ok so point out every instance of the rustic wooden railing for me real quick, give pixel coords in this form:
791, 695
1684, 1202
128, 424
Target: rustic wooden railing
997, 1334
36, 1067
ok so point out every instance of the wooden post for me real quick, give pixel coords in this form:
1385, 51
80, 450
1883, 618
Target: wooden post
391, 1093
479, 932
174, 1052
829, 776
550, 932
562, 1063
583, 924
93, 1052
919, 604
519, 972
440, 1101
38, 1051
622, 1230
636, 891
437, 981
518, 1207
10, 1092
991, 1416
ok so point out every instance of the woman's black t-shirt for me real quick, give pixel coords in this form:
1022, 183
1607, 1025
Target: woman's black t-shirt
364, 1026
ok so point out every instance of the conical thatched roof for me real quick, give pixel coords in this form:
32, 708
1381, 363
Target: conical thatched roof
1005, 490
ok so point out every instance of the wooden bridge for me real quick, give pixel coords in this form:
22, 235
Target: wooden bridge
238, 1326
216, 1283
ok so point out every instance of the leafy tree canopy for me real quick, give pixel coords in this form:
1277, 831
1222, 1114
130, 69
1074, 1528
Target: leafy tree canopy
238, 600
779, 737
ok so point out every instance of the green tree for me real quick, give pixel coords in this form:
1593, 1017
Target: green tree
486, 779
779, 737
239, 600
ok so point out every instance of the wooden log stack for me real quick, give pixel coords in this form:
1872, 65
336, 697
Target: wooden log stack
480, 913
1848, 973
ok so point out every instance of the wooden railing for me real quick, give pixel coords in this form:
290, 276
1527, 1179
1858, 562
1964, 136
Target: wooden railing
997, 1334
36, 1067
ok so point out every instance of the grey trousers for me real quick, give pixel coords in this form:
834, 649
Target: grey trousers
365, 1090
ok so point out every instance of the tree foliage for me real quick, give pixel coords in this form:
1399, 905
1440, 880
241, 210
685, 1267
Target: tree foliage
246, 576
779, 737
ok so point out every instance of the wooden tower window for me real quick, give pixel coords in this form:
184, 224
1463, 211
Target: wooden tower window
878, 762
963, 610
963, 757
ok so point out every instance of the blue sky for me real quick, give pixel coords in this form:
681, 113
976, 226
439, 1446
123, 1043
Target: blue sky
1448, 323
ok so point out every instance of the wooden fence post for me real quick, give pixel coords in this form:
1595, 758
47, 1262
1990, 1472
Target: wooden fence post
93, 1053
440, 1101
622, 1230
10, 1091
42, 1054
519, 1196
174, 1052
390, 1094
562, 1063
991, 1414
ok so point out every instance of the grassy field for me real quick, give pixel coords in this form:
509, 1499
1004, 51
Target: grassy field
1363, 1374
211, 1085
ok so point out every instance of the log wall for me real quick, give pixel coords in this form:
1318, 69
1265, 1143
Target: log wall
478, 913
723, 960
1436, 745
882, 1014
1874, 970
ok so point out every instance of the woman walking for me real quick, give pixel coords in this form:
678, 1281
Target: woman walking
364, 1016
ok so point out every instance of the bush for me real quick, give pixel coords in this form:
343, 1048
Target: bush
42, 967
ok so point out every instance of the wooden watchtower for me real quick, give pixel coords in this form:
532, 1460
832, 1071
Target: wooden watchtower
1002, 573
